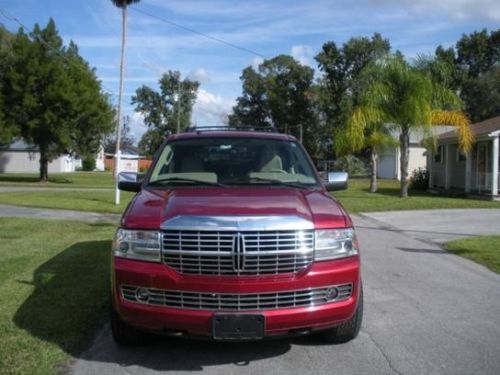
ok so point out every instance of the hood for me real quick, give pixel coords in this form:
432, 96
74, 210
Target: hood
150, 208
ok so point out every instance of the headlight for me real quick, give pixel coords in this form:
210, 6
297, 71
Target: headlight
335, 243
137, 244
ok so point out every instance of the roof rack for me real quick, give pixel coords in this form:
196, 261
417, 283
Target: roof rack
215, 128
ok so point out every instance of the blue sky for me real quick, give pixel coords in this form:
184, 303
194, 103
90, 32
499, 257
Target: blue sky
269, 28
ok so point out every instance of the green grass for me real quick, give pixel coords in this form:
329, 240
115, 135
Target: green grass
358, 199
54, 291
60, 180
90, 201
484, 250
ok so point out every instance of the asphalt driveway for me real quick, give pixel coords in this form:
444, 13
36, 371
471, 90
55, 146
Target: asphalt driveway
426, 312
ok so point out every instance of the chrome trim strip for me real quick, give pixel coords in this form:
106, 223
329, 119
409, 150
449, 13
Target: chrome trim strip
192, 300
236, 223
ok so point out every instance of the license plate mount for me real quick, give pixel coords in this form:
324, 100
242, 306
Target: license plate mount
238, 326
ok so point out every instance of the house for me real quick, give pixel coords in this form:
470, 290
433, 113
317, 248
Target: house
476, 172
129, 160
389, 158
19, 157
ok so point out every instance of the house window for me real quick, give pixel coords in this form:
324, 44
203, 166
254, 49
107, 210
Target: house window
460, 156
439, 155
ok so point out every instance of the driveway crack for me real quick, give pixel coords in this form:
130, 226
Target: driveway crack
388, 360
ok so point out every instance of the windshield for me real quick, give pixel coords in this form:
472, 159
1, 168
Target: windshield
233, 161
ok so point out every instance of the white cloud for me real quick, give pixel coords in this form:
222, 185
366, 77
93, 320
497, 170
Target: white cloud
201, 75
456, 9
210, 109
256, 61
303, 54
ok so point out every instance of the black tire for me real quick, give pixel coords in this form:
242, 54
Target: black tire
347, 331
124, 334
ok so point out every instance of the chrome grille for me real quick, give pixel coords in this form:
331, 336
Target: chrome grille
237, 302
238, 253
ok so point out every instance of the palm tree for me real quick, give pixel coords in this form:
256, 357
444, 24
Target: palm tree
123, 4
407, 99
373, 136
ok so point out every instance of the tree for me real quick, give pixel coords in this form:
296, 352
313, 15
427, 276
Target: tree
53, 96
475, 56
341, 68
280, 95
163, 110
150, 142
406, 98
126, 139
123, 4
7, 131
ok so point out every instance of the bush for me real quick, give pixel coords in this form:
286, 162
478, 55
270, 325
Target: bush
88, 164
350, 164
419, 179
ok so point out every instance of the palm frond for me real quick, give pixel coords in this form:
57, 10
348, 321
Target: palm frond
123, 3
461, 121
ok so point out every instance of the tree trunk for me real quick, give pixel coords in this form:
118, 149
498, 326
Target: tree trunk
404, 146
44, 165
374, 162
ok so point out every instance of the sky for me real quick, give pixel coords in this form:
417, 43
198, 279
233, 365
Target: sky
161, 38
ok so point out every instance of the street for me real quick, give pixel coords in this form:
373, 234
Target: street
426, 312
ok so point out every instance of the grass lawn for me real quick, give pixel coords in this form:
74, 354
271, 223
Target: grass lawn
54, 291
484, 250
357, 198
62, 180
90, 201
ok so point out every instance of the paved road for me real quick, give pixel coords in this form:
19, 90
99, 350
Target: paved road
441, 225
426, 312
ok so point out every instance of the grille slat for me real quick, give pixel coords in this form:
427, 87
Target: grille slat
238, 302
213, 252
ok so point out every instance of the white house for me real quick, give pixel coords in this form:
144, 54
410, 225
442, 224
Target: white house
389, 159
476, 172
20, 157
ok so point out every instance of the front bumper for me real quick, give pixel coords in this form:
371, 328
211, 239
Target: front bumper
198, 322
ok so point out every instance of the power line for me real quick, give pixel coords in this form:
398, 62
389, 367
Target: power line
15, 19
213, 38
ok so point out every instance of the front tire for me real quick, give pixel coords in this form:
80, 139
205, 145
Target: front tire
348, 330
124, 334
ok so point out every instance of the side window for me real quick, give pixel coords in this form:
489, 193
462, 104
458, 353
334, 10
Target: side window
439, 155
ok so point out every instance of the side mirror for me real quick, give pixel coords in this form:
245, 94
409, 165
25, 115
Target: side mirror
337, 181
130, 181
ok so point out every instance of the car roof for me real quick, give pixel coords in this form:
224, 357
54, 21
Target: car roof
194, 134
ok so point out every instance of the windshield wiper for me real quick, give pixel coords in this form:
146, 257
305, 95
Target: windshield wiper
183, 180
269, 181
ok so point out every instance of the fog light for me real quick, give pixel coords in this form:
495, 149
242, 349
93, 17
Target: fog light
123, 247
331, 294
142, 295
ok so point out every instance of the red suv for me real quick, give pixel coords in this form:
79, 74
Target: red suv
232, 235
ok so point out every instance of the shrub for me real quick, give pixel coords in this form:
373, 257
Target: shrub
419, 179
88, 164
350, 164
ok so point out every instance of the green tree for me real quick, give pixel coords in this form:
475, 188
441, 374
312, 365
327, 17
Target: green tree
280, 95
126, 139
341, 67
53, 96
475, 56
406, 98
7, 131
150, 142
165, 109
